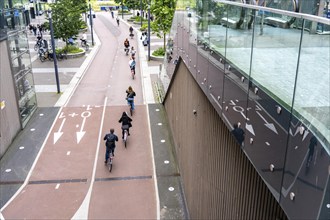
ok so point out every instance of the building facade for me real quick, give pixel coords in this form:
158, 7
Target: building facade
267, 71
17, 94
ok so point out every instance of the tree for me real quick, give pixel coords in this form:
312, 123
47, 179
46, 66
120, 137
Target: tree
67, 19
163, 12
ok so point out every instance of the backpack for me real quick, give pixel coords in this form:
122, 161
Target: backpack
110, 140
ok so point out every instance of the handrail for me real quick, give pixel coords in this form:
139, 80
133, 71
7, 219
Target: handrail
279, 11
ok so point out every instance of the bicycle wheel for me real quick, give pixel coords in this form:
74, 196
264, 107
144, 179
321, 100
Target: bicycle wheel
110, 164
87, 47
132, 72
36, 47
125, 138
42, 57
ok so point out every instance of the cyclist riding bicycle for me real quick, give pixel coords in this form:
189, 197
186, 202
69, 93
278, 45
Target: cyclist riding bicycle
84, 38
130, 96
125, 123
131, 32
126, 45
132, 64
117, 19
110, 144
133, 52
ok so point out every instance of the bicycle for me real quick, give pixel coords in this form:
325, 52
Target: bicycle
38, 45
133, 73
110, 161
84, 43
130, 103
126, 49
43, 55
125, 128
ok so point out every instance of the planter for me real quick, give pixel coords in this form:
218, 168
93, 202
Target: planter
76, 55
156, 58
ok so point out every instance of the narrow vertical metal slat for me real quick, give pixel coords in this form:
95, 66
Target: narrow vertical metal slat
230, 164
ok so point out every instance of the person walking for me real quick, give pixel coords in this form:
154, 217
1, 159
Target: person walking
110, 143
238, 134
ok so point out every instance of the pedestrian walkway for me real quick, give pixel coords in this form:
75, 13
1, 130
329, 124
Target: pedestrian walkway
131, 183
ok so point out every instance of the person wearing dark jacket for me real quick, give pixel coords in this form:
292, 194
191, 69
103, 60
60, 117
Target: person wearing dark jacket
110, 144
125, 123
238, 134
130, 96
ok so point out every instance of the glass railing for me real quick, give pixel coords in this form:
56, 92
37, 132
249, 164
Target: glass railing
268, 70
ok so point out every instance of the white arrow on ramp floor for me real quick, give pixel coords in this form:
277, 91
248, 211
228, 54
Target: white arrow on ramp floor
81, 133
267, 124
58, 134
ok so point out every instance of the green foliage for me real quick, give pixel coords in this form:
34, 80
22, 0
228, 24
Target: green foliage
160, 52
132, 4
163, 12
66, 17
138, 19
145, 27
71, 49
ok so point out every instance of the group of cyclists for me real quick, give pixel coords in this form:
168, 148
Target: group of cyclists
126, 123
131, 51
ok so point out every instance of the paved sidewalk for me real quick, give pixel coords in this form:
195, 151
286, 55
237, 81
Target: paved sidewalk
22, 153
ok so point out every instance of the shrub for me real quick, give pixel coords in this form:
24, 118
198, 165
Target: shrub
138, 19
72, 49
160, 52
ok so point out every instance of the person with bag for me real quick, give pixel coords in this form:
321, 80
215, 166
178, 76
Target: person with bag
126, 123
132, 64
110, 143
130, 96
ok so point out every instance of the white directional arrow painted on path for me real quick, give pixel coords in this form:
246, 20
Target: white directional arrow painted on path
81, 133
59, 133
249, 128
267, 124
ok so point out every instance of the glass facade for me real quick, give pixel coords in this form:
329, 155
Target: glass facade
14, 19
268, 71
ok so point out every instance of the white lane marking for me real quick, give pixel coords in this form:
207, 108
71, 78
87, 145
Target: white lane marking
163, 141
68, 153
59, 133
33, 165
82, 212
32, 129
157, 110
166, 161
171, 188
41, 114
159, 124
268, 143
21, 147
8, 170
57, 186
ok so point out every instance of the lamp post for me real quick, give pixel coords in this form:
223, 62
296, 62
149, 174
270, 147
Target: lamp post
149, 31
141, 12
54, 50
91, 21
122, 10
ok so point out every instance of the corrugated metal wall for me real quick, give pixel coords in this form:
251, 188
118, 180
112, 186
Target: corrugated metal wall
218, 179
9, 116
